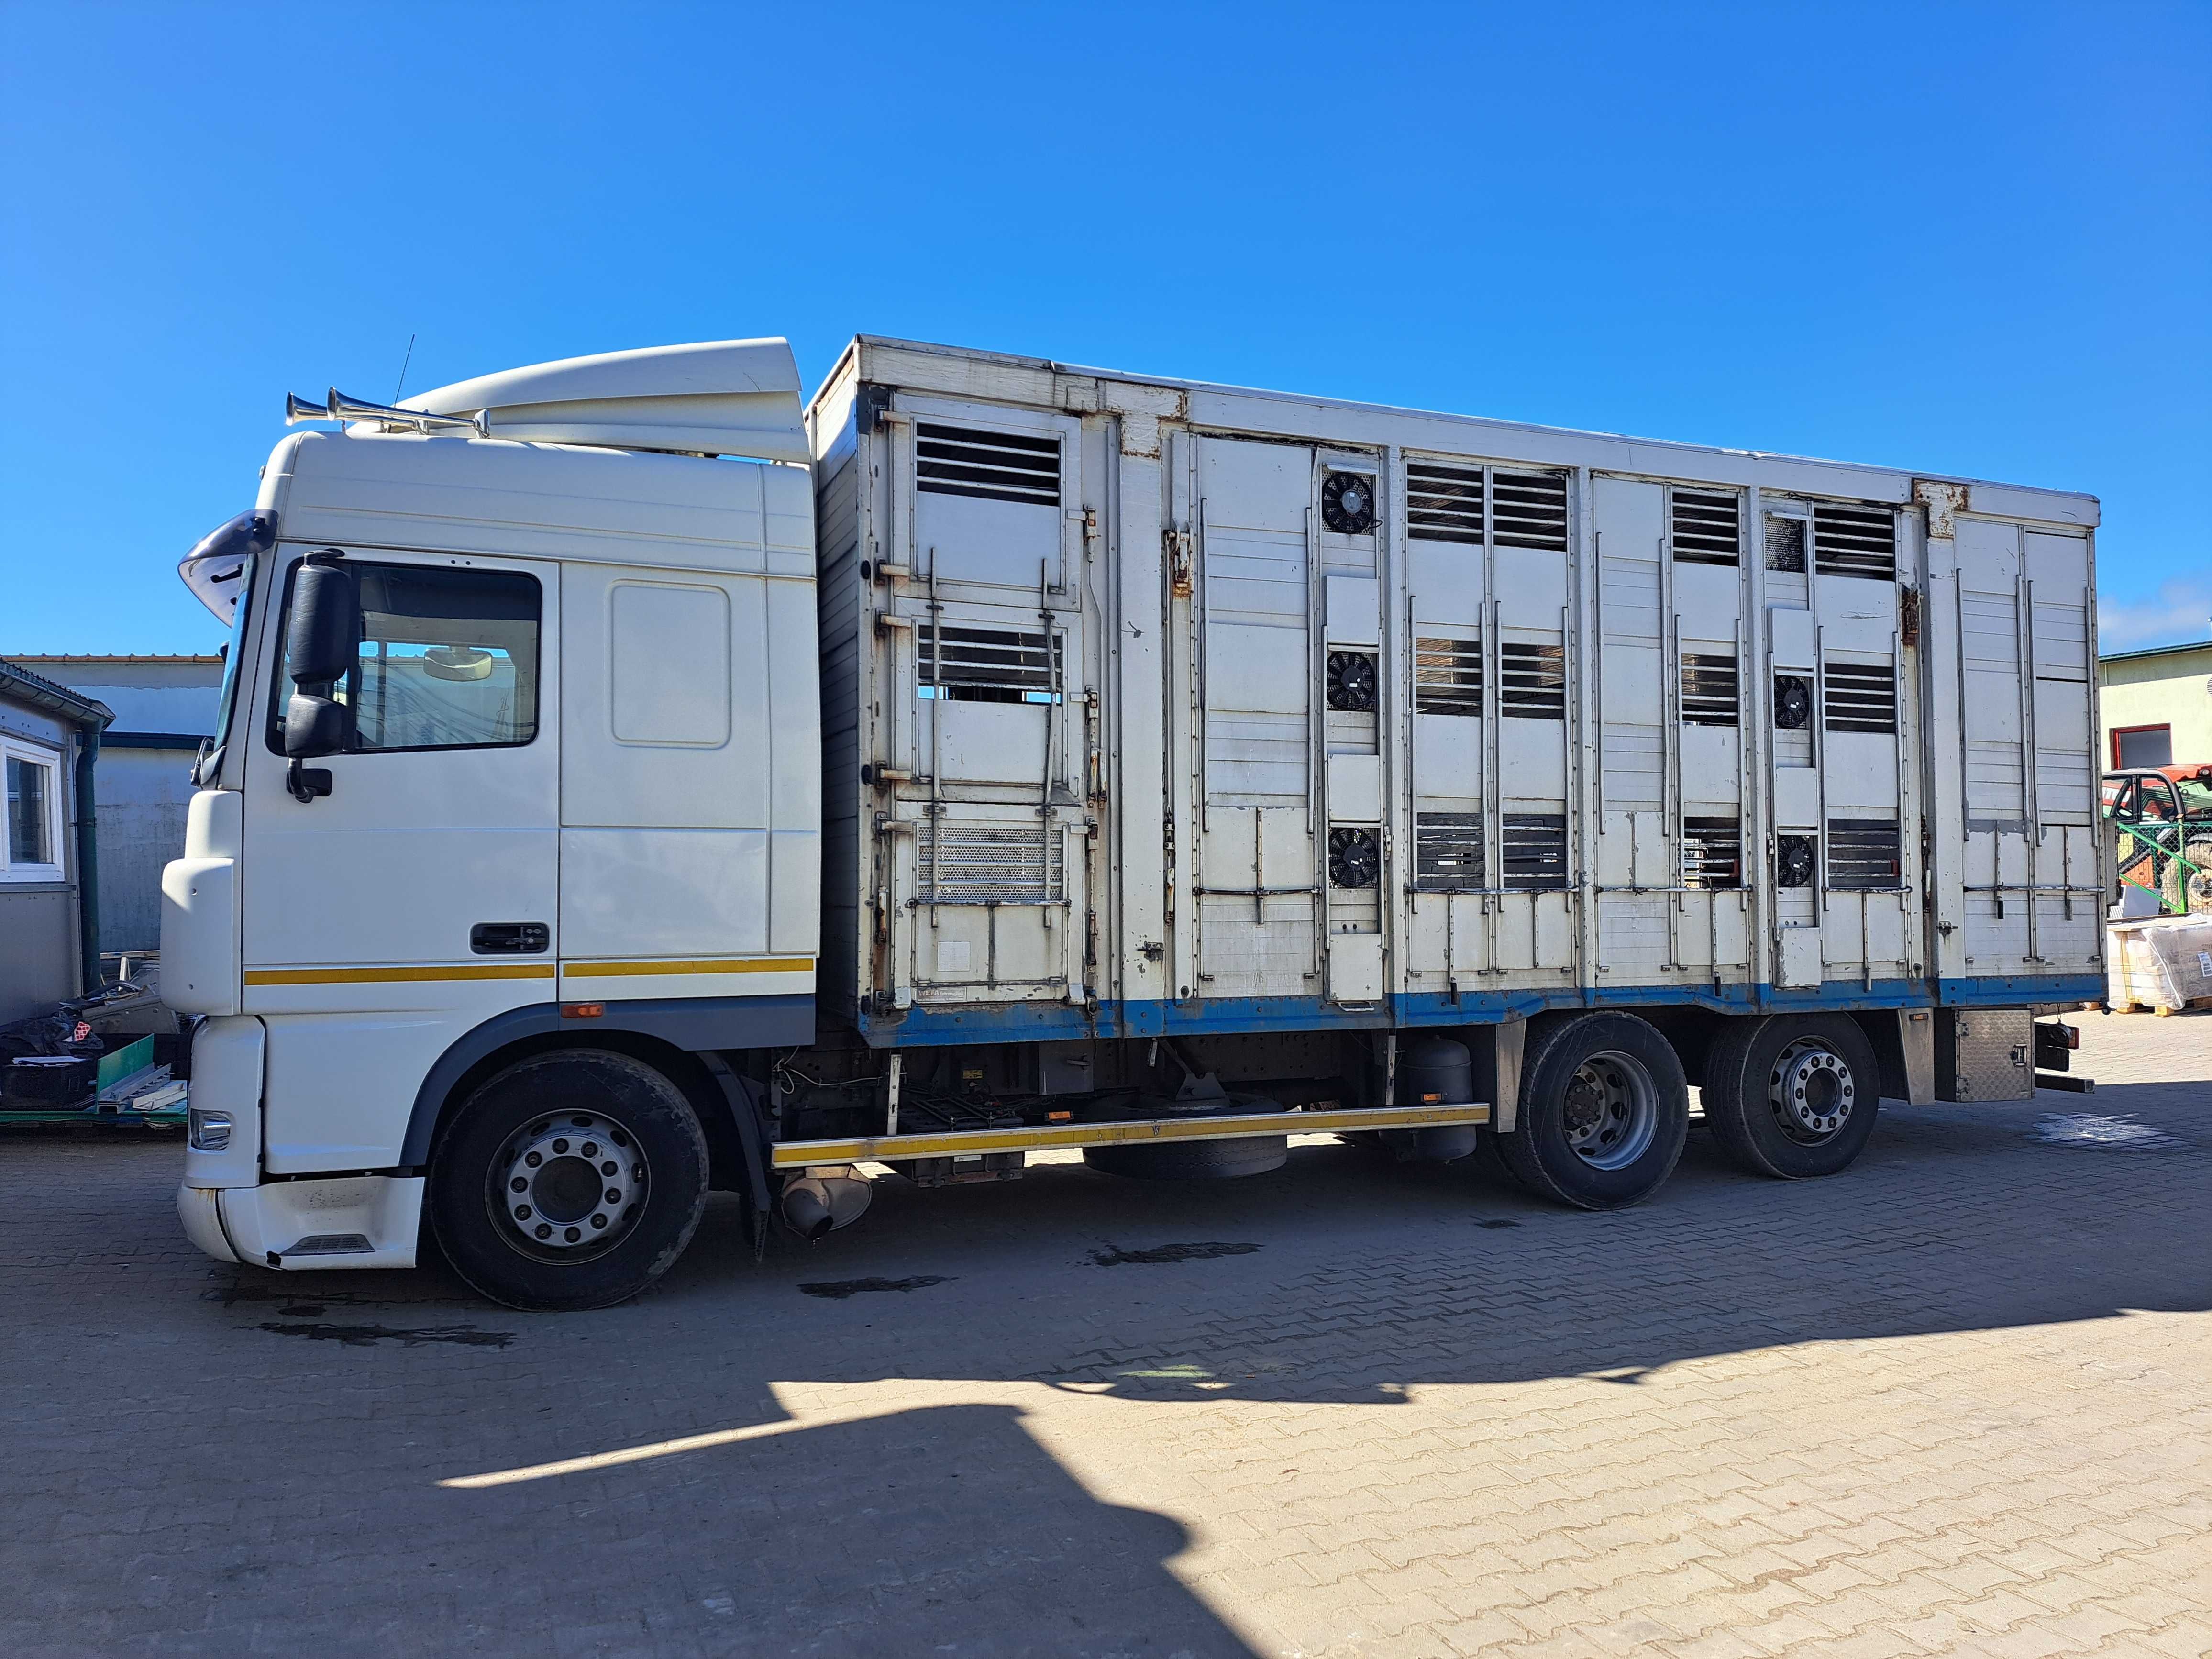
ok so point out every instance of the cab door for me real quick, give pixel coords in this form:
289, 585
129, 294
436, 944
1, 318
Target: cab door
417, 898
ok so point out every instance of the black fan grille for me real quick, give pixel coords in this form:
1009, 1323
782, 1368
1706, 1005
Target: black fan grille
1354, 861
1348, 503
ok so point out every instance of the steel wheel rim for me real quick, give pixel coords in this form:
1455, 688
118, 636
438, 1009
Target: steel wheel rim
1612, 1115
1811, 1091
568, 1186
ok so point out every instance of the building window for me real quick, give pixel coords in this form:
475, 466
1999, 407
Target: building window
33, 850
2142, 746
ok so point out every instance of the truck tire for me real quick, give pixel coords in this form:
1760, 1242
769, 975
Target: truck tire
570, 1180
1793, 1096
1604, 1111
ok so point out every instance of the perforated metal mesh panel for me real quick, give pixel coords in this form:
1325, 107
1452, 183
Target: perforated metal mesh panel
989, 864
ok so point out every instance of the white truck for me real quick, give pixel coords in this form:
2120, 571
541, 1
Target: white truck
631, 783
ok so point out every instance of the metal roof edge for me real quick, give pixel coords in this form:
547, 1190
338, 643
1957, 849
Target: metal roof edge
2154, 651
42, 693
1049, 365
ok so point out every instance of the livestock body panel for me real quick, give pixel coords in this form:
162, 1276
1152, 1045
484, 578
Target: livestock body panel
1165, 708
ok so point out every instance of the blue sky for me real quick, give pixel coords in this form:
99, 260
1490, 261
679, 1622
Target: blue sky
1967, 239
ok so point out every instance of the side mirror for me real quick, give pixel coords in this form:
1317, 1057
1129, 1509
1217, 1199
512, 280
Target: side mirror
313, 725
324, 639
322, 645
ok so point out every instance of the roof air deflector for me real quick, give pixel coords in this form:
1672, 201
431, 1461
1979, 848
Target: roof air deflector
716, 398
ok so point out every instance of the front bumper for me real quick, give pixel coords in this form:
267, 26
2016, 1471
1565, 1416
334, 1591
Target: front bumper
344, 1221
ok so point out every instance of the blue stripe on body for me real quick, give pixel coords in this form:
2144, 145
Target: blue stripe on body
1056, 1022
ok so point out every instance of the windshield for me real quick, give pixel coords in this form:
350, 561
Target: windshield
240, 591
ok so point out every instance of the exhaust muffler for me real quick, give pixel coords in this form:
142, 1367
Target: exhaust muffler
823, 1197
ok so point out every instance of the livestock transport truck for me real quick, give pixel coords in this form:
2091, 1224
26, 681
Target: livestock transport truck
633, 783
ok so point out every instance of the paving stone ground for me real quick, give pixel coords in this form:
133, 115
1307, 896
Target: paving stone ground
1958, 1399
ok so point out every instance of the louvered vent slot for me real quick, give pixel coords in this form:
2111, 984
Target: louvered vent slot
1855, 541
987, 665
1863, 854
993, 466
1712, 853
1705, 528
1532, 682
1862, 697
1709, 690
1447, 676
1443, 503
989, 864
1530, 509
1535, 847
1447, 851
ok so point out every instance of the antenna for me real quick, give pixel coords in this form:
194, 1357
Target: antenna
403, 361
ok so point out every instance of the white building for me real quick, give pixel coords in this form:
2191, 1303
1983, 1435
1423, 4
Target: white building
163, 708
2155, 706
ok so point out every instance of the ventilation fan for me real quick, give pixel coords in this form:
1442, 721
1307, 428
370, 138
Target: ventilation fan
1793, 859
1353, 860
1793, 702
1348, 503
1351, 681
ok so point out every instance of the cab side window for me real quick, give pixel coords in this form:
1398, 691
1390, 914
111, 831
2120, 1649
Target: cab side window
448, 660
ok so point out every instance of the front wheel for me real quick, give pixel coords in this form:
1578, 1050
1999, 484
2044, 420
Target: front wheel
570, 1180
1794, 1095
1604, 1112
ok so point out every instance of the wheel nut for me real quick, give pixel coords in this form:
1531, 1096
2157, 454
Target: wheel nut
599, 1221
560, 1145
590, 1149
573, 1234
519, 1185
522, 1213
544, 1232
607, 1168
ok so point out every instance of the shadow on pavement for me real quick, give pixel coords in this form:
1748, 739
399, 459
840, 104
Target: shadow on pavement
222, 1460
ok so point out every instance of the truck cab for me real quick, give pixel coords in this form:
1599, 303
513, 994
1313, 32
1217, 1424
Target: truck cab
518, 759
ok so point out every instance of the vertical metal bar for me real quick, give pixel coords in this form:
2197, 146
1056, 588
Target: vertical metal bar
1259, 859
1054, 702
1747, 706
1597, 677
936, 735
1820, 761
1316, 736
894, 1073
1670, 730
1755, 745
1198, 582
2031, 761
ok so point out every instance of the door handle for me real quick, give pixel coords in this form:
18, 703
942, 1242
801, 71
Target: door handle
510, 939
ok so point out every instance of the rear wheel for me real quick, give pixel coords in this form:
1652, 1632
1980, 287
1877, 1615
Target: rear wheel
1604, 1111
570, 1180
1794, 1095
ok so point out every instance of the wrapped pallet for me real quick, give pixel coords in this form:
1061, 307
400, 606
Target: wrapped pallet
2163, 963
